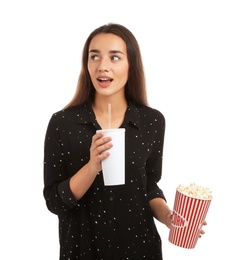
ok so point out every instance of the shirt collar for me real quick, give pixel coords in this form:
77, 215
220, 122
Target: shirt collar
132, 116
86, 115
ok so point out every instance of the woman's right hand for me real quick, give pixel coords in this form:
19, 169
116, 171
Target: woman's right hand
99, 151
82, 180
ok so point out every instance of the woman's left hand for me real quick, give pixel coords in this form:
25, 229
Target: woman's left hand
169, 222
202, 232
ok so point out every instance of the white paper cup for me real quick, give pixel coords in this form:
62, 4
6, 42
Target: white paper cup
113, 167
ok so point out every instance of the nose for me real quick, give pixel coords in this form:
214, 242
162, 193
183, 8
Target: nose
102, 69
103, 66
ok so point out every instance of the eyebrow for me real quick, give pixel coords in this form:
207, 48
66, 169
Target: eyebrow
111, 51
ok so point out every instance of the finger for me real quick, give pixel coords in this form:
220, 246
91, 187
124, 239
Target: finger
202, 232
98, 140
102, 140
96, 137
102, 148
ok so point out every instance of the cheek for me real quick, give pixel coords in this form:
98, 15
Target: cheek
124, 73
91, 68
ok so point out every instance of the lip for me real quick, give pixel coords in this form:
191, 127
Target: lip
104, 81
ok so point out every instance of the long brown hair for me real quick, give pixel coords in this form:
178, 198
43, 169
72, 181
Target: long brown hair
135, 89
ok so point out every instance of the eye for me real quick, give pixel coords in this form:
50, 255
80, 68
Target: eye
115, 57
94, 57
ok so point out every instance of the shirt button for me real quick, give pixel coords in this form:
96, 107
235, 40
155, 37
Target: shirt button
111, 198
109, 245
110, 221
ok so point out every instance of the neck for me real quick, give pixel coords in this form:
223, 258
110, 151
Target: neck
117, 106
117, 113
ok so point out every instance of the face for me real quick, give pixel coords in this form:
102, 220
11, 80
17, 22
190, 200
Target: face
108, 65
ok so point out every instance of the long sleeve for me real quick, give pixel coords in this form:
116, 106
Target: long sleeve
57, 192
154, 163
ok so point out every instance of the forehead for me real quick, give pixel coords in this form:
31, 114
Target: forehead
107, 42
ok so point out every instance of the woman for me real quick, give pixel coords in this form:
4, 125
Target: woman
98, 221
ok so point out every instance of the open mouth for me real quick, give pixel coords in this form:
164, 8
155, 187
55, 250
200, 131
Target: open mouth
104, 80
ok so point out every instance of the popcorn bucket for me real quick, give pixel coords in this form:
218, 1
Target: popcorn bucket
188, 216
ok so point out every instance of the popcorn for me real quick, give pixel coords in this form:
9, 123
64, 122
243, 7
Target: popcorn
195, 191
190, 208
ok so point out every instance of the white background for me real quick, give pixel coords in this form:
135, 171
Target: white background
195, 61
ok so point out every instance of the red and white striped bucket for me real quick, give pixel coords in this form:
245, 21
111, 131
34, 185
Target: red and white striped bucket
188, 216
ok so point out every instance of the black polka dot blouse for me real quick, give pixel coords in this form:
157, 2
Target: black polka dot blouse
108, 222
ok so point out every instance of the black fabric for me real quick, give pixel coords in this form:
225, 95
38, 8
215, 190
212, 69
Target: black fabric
109, 222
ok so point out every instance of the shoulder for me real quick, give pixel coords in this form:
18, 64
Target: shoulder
151, 113
65, 114
146, 116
